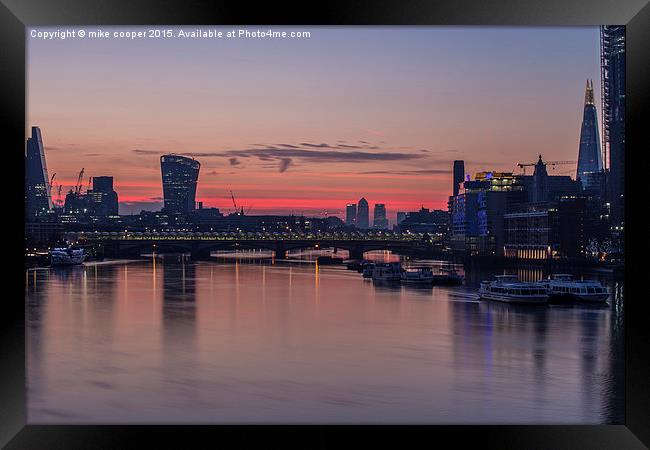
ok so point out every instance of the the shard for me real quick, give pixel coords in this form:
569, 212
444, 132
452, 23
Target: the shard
589, 156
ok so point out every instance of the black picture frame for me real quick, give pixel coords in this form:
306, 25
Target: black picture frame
16, 15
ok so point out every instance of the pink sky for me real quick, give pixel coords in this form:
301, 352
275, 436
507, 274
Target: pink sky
310, 125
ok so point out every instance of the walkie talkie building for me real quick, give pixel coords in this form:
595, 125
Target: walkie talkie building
179, 178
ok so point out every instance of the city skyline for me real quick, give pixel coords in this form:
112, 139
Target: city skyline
303, 126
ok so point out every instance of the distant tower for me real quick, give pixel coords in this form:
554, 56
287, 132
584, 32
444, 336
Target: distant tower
459, 175
379, 217
179, 178
589, 156
363, 214
350, 214
540, 182
612, 73
38, 199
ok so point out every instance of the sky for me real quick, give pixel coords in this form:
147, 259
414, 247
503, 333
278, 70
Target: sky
308, 125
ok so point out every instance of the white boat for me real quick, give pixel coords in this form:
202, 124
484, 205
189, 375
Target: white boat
66, 256
422, 276
564, 286
387, 272
507, 288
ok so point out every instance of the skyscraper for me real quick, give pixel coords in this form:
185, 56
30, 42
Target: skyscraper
612, 65
379, 217
589, 155
37, 184
363, 214
102, 199
350, 214
459, 175
179, 179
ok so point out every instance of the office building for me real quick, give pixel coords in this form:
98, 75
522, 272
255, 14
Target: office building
38, 199
363, 214
350, 214
379, 217
179, 179
612, 64
102, 199
459, 175
401, 215
589, 154
546, 231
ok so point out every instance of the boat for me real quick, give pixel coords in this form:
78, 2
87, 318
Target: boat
387, 272
421, 276
326, 259
66, 256
448, 276
507, 288
563, 286
367, 269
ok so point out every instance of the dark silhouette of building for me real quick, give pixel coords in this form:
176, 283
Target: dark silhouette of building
546, 231
459, 175
102, 199
478, 211
542, 187
612, 62
350, 214
363, 214
379, 217
425, 221
179, 178
38, 200
589, 155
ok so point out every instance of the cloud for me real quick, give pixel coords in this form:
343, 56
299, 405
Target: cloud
284, 164
287, 154
139, 151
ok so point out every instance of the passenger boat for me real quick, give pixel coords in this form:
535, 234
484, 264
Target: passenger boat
448, 276
563, 286
421, 276
367, 269
387, 272
66, 256
507, 288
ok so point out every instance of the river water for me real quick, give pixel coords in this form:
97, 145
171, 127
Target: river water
243, 339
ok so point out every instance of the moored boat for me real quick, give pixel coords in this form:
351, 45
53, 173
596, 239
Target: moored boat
66, 256
508, 289
563, 286
387, 272
420, 276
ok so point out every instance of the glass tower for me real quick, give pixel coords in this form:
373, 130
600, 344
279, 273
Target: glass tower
589, 156
612, 73
350, 214
37, 184
363, 214
379, 216
179, 179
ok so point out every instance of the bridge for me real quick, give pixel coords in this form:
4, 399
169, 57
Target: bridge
199, 244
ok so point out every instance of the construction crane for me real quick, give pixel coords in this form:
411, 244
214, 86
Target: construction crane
52, 180
59, 200
235, 204
546, 163
77, 187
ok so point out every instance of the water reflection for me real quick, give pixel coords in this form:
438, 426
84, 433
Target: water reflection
253, 340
